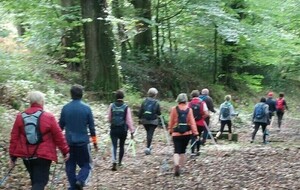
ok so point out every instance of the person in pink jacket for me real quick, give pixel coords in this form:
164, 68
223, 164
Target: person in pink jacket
120, 119
37, 157
181, 126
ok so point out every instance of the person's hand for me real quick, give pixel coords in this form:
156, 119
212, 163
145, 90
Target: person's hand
96, 147
66, 157
131, 136
12, 163
197, 138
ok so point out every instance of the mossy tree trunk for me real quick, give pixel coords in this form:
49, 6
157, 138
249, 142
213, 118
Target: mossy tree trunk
101, 68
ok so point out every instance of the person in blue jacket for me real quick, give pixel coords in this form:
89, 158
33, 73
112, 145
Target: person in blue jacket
77, 120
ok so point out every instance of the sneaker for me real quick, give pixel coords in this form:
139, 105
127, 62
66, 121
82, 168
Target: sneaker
114, 167
78, 185
198, 153
193, 155
177, 172
147, 151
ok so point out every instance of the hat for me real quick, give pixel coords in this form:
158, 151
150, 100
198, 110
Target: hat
270, 94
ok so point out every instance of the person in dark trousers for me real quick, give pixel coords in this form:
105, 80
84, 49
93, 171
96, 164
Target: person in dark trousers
148, 115
203, 113
77, 119
210, 105
260, 118
37, 158
281, 106
226, 114
120, 119
272, 106
181, 137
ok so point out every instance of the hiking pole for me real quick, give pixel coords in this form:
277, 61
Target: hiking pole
165, 129
131, 140
6, 176
209, 132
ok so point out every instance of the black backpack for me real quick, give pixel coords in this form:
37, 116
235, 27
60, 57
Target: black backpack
118, 115
32, 127
149, 107
182, 125
197, 110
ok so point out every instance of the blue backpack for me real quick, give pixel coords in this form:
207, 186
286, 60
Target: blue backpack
118, 115
259, 111
225, 110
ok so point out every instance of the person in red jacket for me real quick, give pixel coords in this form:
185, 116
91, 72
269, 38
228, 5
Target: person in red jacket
200, 112
37, 158
181, 126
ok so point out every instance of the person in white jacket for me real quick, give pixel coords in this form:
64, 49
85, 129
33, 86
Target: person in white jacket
226, 114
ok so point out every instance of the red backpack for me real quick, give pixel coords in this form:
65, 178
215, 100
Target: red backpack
280, 104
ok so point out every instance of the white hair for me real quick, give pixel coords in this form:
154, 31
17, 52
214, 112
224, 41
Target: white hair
182, 98
36, 97
152, 92
205, 91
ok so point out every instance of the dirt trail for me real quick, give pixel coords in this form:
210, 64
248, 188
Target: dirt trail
227, 165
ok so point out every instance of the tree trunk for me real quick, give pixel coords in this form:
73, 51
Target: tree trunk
143, 42
101, 68
71, 37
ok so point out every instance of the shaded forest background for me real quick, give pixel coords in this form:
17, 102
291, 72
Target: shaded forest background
241, 47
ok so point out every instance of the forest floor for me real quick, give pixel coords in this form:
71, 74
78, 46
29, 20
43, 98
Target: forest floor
225, 165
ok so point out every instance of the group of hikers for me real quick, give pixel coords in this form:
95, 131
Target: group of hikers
36, 134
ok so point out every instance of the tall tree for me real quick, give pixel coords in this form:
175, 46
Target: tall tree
101, 68
143, 42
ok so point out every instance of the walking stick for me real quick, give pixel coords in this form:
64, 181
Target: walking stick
209, 132
131, 142
6, 176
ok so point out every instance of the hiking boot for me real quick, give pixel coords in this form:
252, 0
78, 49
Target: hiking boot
147, 151
177, 172
78, 185
114, 167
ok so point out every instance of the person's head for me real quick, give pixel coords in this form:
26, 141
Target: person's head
182, 98
152, 92
281, 95
263, 99
205, 91
119, 95
195, 93
227, 98
36, 97
76, 92
270, 94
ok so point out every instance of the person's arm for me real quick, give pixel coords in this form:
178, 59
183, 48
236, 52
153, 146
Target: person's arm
158, 112
210, 104
129, 120
191, 121
172, 120
91, 126
205, 113
62, 120
14, 138
141, 110
58, 137
285, 104
109, 113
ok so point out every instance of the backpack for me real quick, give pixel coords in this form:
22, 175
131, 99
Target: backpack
149, 107
225, 110
118, 115
197, 110
182, 125
259, 111
32, 127
280, 104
